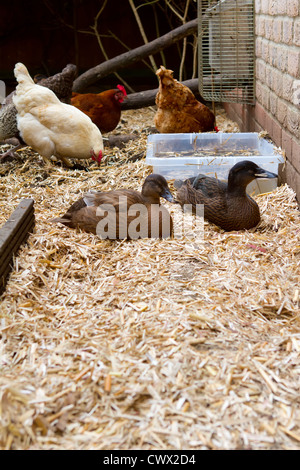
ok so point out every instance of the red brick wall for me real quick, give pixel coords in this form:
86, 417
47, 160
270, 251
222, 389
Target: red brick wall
277, 108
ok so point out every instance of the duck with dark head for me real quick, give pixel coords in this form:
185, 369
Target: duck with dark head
124, 213
227, 205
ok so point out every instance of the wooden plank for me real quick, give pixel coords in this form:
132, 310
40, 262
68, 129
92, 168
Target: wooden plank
13, 224
9, 261
13, 248
146, 98
13, 243
12, 234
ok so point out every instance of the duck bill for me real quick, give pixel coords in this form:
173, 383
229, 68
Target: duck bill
167, 195
261, 173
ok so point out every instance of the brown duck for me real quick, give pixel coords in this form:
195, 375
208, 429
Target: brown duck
225, 204
124, 213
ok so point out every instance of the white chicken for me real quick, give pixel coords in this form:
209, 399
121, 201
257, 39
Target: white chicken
51, 127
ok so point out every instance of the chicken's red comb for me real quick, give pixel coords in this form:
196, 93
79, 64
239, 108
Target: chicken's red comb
122, 89
95, 157
216, 129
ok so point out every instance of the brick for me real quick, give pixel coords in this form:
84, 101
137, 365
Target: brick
276, 133
296, 93
261, 70
273, 54
286, 143
287, 31
265, 6
281, 7
287, 87
297, 32
277, 30
265, 99
290, 174
281, 112
234, 113
268, 28
257, 128
281, 174
257, 68
277, 82
294, 62
296, 155
273, 7
269, 73
293, 121
293, 8
265, 50
258, 91
258, 47
250, 119
237, 108
239, 122
260, 115
297, 188
260, 26
269, 124
292, 177
256, 26
273, 103
257, 6
282, 58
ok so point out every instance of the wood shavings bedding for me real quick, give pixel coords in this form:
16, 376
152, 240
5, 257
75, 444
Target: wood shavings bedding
190, 343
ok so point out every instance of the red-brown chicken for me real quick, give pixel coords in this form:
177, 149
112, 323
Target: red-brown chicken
177, 108
103, 108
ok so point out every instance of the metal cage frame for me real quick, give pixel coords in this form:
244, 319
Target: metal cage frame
226, 50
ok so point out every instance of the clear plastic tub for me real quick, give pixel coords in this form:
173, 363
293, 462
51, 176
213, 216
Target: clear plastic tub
180, 156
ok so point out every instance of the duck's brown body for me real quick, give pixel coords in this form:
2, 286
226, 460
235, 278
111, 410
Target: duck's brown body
226, 205
227, 210
123, 213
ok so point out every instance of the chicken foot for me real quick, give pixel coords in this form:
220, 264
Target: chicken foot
11, 154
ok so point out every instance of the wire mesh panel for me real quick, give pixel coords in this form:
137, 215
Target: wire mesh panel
226, 50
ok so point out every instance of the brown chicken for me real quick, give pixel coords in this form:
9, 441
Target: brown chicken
103, 108
178, 110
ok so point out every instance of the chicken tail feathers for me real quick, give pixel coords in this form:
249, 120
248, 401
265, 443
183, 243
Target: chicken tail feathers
22, 75
62, 220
